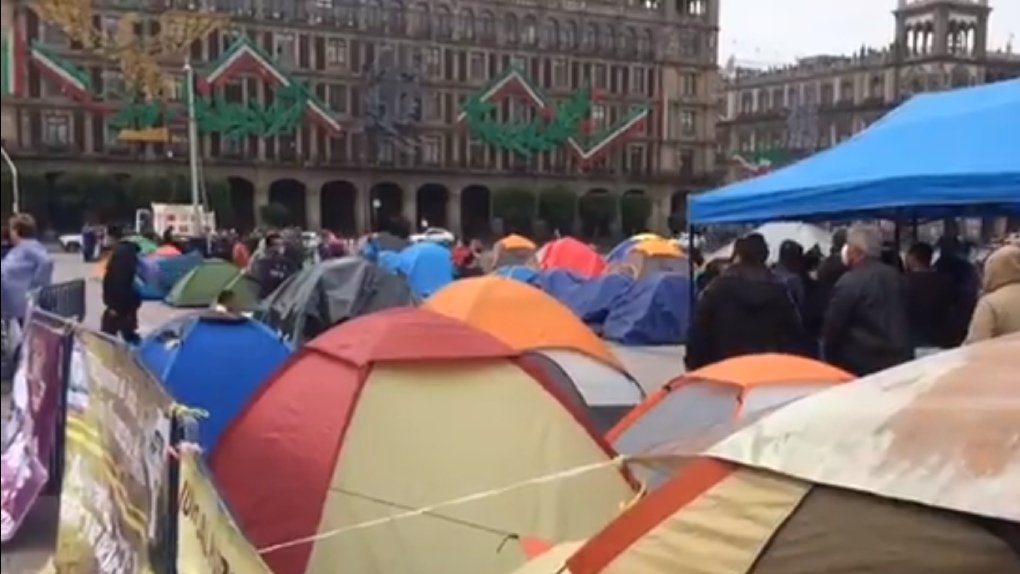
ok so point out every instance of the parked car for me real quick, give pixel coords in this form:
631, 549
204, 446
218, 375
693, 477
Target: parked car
71, 242
434, 235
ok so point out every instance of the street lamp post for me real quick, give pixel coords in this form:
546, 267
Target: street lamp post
15, 187
196, 197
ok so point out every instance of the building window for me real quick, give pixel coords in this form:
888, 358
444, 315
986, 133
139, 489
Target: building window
519, 63
747, 103
338, 94
336, 53
113, 84
510, 28
877, 89
636, 158
529, 32
608, 38
433, 62
600, 79
421, 22
444, 22
689, 85
599, 117
846, 91
53, 35
560, 74
431, 151
477, 67
828, 94
284, 48
433, 107
685, 160
385, 150
591, 37
763, 100
56, 130
486, 26
777, 98
639, 81
688, 122
551, 33
372, 15
646, 43
466, 24
568, 35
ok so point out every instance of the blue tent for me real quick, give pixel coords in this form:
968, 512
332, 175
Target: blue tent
427, 267
521, 273
950, 153
590, 299
213, 362
653, 311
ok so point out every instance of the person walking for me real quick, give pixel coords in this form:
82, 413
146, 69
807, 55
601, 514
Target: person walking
929, 295
745, 310
998, 310
866, 327
25, 268
121, 299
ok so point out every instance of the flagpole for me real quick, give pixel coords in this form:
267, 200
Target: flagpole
15, 187
196, 198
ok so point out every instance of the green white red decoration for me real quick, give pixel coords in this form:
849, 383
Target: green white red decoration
567, 123
12, 54
73, 80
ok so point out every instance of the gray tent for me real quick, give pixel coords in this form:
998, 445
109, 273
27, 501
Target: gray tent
330, 293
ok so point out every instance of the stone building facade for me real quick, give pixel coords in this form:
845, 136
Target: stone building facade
778, 115
373, 120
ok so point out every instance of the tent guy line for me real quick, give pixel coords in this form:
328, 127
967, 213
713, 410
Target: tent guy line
431, 509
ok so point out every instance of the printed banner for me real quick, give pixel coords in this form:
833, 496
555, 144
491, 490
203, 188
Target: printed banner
29, 431
114, 489
208, 539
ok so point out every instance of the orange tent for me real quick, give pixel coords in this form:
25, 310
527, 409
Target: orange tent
911, 471
699, 402
571, 255
520, 315
165, 251
512, 250
652, 257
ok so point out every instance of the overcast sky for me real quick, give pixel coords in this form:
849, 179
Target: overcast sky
779, 31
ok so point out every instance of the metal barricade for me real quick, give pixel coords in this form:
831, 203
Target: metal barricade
66, 300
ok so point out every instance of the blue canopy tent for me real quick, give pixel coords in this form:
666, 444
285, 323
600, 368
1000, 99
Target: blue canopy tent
214, 362
943, 154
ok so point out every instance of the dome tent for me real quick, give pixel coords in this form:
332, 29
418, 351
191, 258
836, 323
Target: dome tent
330, 293
405, 409
214, 362
557, 342
203, 284
911, 471
702, 400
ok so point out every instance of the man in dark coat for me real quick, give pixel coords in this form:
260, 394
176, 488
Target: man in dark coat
929, 295
121, 299
746, 310
866, 327
274, 267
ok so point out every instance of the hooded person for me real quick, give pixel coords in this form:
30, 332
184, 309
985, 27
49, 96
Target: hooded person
998, 311
745, 310
121, 299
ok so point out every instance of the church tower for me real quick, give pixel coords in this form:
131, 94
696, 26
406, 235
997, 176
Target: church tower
942, 29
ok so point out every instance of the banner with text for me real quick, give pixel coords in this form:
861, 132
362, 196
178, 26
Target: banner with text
29, 431
209, 540
114, 502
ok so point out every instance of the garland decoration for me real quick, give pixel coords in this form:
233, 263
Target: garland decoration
555, 125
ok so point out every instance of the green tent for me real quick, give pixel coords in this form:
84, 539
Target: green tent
145, 246
246, 292
203, 284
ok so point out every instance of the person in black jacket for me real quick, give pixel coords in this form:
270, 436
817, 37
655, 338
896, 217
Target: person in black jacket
867, 328
929, 296
745, 310
119, 296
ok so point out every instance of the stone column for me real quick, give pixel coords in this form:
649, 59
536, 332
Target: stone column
411, 208
261, 200
453, 222
313, 206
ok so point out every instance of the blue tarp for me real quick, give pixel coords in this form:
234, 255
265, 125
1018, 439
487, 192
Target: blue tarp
649, 311
521, 273
653, 311
427, 266
950, 153
155, 284
212, 362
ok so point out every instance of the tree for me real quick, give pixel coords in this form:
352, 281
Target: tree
557, 206
635, 209
516, 208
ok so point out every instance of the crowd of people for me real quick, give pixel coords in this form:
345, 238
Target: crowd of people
862, 308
